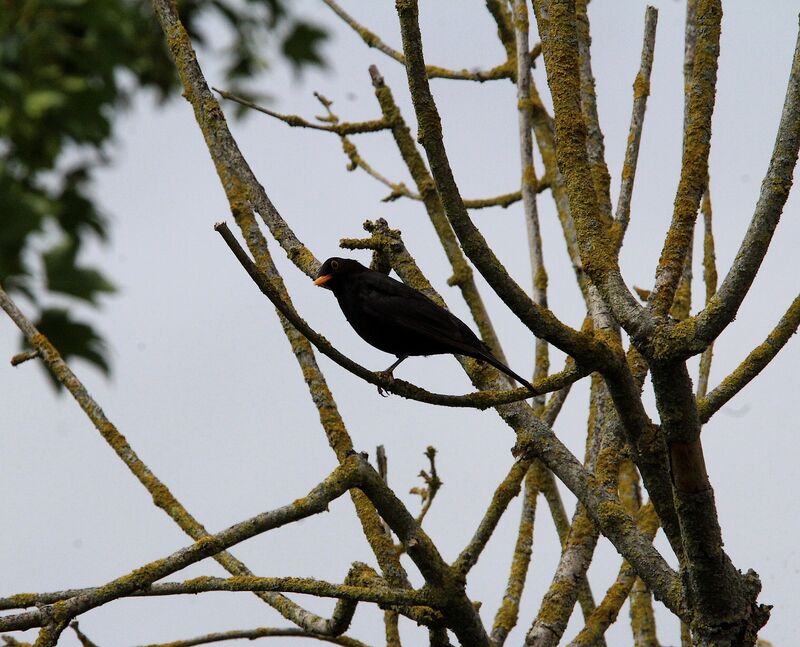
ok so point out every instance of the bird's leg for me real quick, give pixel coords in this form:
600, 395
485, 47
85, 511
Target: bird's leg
388, 373
389, 370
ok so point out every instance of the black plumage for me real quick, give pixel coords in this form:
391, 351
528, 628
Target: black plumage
398, 319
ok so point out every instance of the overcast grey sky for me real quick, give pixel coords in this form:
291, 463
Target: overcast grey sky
207, 392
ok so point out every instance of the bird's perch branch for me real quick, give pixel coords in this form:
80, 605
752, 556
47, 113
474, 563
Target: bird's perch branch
477, 400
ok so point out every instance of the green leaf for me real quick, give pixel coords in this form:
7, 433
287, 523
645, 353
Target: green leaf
75, 210
72, 339
68, 68
37, 103
65, 276
302, 45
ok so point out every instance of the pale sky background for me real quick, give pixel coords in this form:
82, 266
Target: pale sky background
207, 392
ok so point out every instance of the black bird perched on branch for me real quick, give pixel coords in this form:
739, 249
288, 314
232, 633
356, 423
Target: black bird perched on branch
398, 319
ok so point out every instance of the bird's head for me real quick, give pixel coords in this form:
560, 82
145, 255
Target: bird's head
335, 270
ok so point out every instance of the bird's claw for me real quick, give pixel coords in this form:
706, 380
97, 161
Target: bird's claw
386, 375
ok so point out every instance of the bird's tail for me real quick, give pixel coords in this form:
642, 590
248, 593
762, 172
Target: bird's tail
487, 357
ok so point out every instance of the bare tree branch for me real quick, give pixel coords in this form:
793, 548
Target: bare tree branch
696, 146
541, 321
753, 364
528, 185
608, 609
505, 492
710, 280
506, 617
260, 632
462, 273
341, 129
641, 90
361, 585
162, 497
342, 478
502, 71
696, 333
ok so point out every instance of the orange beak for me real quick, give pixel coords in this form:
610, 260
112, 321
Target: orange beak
322, 280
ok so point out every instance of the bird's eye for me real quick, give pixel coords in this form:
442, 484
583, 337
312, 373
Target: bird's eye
334, 265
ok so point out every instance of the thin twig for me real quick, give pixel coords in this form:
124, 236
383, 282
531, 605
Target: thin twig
753, 364
260, 632
641, 90
24, 356
528, 185
432, 485
503, 495
398, 189
507, 614
344, 128
710, 280
82, 637
379, 593
502, 71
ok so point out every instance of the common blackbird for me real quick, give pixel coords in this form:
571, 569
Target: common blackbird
398, 319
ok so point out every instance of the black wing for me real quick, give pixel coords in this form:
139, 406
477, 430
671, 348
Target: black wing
407, 309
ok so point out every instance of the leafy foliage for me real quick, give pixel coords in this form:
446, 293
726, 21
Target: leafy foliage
67, 67
72, 338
